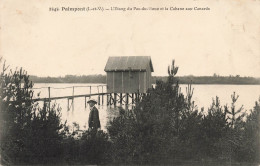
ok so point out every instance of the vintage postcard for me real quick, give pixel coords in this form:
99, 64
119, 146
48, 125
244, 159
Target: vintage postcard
171, 82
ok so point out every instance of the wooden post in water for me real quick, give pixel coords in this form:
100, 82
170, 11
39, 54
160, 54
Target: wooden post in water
102, 96
72, 98
115, 96
49, 90
85, 102
98, 96
121, 98
89, 92
127, 98
108, 101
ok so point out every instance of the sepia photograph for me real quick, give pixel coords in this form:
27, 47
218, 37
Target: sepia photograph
106, 82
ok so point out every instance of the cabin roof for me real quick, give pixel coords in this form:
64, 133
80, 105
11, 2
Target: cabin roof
129, 63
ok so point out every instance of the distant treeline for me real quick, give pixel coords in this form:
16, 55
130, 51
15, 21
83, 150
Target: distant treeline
214, 80
182, 79
70, 79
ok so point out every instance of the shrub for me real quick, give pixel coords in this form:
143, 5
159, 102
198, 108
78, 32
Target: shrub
90, 148
167, 128
29, 134
249, 146
157, 129
214, 130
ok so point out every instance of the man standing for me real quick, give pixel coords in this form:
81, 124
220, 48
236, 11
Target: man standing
93, 120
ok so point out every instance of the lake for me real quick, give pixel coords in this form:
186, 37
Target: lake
203, 95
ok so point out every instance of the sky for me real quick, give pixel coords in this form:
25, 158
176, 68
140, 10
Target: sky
224, 40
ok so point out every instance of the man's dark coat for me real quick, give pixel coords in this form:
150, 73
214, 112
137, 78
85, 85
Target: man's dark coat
93, 120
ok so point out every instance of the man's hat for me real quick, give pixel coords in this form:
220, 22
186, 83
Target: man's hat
92, 100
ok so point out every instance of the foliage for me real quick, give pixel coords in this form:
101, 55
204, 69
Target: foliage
90, 148
249, 146
29, 134
166, 128
157, 129
34, 135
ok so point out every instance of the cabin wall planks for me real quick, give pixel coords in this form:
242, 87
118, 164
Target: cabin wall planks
129, 74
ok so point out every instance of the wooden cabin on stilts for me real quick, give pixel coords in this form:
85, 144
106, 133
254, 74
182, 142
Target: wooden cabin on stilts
128, 78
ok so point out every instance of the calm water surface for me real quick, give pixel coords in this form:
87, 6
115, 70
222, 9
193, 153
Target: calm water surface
203, 95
